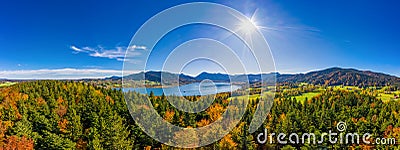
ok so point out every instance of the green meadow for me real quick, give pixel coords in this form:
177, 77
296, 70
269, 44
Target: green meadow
7, 84
304, 96
301, 96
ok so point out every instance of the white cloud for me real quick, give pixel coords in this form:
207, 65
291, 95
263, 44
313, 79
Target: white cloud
76, 48
117, 53
65, 73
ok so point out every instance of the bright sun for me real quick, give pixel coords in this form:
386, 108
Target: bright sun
248, 26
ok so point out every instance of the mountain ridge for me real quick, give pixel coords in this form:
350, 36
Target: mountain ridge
342, 76
329, 76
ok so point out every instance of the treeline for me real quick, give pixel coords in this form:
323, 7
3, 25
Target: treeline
361, 112
63, 115
74, 115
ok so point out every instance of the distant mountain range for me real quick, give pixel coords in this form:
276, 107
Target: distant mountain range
340, 76
331, 76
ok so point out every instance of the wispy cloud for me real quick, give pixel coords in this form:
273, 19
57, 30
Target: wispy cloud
117, 53
65, 73
75, 48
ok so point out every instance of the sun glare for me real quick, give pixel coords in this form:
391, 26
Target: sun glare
248, 26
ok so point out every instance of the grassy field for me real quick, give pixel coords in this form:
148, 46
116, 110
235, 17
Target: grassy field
308, 95
7, 84
387, 97
251, 97
381, 94
348, 88
301, 98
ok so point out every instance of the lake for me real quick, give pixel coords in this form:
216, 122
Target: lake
201, 88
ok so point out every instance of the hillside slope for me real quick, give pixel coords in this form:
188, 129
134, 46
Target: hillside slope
340, 76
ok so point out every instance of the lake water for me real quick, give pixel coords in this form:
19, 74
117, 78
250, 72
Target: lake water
202, 88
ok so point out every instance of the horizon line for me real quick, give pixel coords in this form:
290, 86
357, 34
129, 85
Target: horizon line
90, 74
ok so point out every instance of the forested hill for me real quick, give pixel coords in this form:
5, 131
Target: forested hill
340, 76
156, 77
63, 115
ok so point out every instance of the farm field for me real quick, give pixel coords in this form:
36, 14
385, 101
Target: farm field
7, 84
301, 98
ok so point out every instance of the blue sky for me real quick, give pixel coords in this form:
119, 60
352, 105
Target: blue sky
79, 39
